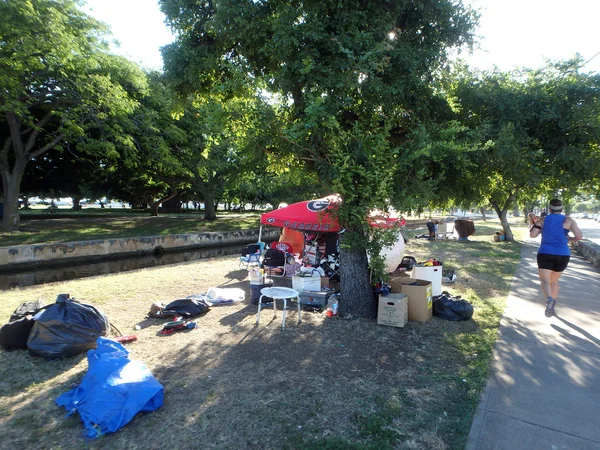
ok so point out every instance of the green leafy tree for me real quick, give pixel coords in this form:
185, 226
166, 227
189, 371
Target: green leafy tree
535, 131
57, 83
353, 77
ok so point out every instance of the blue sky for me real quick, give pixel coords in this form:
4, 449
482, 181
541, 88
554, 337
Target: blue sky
513, 32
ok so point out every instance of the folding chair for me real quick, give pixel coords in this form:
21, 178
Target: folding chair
252, 254
442, 232
276, 258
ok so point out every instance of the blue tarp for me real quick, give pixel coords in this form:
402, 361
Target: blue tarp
113, 390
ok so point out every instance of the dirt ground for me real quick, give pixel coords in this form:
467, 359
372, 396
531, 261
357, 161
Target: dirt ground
326, 383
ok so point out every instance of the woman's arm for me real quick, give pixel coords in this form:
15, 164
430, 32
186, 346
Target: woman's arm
536, 228
577, 234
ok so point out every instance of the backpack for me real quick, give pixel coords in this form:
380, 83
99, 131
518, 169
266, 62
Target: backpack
27, 309
274, 258
250, 249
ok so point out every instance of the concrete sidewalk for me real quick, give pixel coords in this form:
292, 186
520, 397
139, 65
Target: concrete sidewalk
544, 388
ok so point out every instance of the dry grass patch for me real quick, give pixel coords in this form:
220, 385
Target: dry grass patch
329, 383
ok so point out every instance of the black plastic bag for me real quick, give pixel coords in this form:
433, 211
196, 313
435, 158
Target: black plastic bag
452, 308
187, 307
66, 328
14, 335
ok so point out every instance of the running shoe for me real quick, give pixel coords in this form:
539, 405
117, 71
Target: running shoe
550, 307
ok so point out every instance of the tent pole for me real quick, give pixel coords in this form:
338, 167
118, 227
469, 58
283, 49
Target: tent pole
259, 233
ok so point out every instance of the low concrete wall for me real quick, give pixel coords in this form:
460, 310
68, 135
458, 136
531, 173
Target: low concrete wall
589, 251
71, 252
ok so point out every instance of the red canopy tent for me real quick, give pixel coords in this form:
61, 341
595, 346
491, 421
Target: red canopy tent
315, 215
310, 215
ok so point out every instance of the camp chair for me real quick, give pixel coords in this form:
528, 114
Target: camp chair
252, 254
276, 258
440, 233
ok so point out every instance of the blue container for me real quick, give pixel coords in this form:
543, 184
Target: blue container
255, 293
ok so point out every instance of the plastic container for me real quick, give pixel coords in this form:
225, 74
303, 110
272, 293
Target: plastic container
257, 276
430, 273
302, 284
255, 292
318, 299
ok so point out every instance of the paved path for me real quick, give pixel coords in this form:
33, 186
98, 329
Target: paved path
544, 388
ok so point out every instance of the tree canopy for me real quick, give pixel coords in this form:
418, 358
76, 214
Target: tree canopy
57, 82
533, 131
354, 78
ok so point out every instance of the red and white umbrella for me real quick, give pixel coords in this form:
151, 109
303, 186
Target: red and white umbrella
309, 215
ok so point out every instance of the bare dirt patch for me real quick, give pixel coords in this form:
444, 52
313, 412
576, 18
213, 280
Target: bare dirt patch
327, 383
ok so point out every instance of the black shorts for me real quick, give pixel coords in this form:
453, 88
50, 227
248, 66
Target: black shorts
555, 263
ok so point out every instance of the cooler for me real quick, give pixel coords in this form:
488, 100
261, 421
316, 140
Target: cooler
318, 299
255, 292
302, 284
429, 273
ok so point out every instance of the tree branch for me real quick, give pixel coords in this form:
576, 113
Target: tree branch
36, 129
46, 147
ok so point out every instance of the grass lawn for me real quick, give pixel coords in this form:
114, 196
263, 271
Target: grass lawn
329, 383
69, 226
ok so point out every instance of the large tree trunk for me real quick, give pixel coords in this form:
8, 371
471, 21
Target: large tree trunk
11, 185
76, 203
11, 217
210, 212
156, 204
357, 298
501, 212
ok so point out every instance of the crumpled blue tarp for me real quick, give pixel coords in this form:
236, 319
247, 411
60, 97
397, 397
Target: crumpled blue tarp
113, 390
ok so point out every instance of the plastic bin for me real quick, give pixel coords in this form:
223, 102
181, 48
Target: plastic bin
302, 284
318, 299
429, 273
255, 292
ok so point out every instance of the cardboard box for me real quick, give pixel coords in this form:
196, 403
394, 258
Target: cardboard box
302, 284
325, 282
418, 293
430, 273
392, 310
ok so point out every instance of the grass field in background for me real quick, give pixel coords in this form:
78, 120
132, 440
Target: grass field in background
110, 224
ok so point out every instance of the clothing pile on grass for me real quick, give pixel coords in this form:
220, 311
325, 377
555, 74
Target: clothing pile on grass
181, 312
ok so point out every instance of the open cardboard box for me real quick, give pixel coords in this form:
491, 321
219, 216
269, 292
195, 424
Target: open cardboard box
418, 293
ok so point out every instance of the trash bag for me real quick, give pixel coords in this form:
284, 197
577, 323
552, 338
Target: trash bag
187, 307
113, 390
452, 308
14, 335
66, 328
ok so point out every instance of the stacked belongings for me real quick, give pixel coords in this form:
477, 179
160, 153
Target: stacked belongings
66, 328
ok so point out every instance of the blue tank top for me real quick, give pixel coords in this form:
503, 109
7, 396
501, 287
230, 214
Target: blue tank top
554, 236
